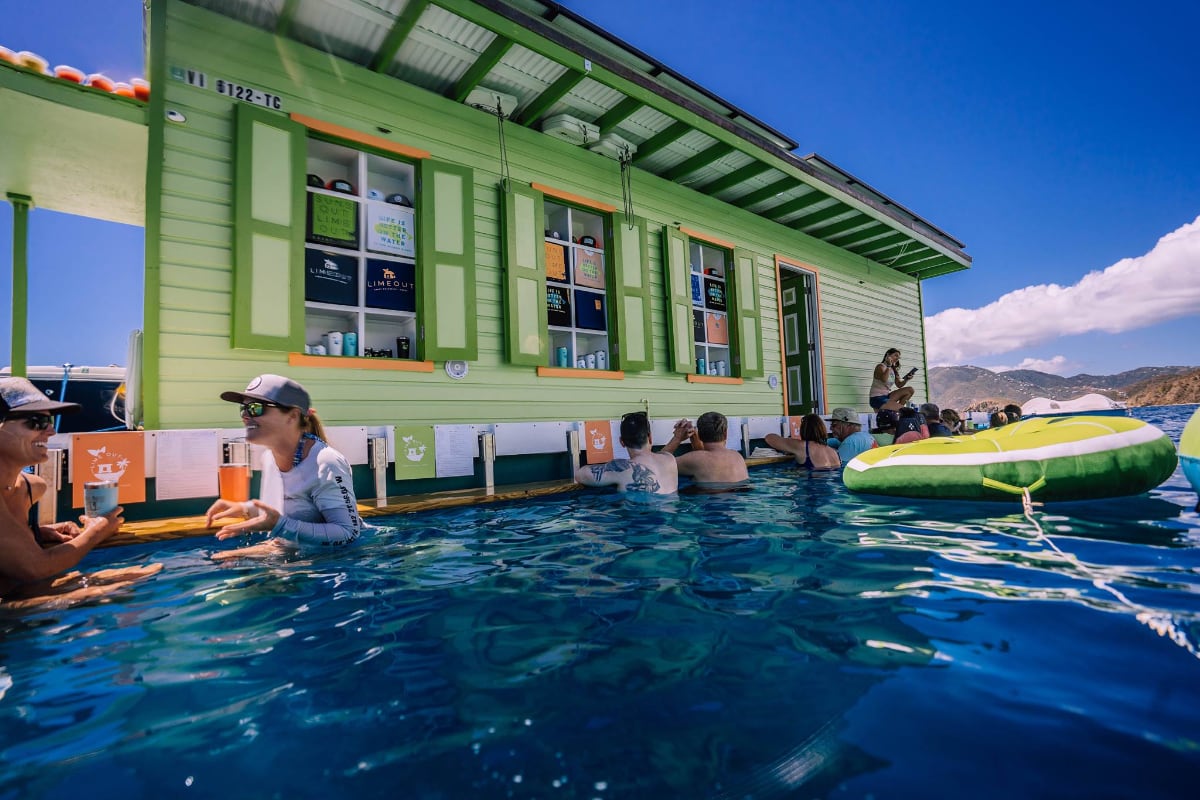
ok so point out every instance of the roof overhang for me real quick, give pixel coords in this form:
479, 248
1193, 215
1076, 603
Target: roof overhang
555, 62
72, 149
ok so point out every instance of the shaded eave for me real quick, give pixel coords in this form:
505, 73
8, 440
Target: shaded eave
555, 62
72, 149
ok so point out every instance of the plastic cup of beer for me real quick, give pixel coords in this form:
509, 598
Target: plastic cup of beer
234, 482
99, 498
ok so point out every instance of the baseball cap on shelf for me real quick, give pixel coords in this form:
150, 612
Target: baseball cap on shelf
587, 241
398, 199
844, 414
316, 180
19, 397
340, 185
272, 389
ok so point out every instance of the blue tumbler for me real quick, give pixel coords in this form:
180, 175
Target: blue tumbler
562, 357
350, 344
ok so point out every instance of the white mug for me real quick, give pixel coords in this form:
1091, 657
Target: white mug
333, 343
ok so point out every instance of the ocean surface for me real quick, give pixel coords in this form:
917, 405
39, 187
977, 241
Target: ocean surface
796, 640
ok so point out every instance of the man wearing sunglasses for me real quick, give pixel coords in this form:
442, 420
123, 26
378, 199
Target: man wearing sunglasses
30, 552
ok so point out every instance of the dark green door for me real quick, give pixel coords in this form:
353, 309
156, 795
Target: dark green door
801, 356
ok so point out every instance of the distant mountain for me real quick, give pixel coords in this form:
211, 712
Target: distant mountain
976, 389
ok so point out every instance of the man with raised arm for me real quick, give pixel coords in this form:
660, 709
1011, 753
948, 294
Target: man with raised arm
710, 463
643, 472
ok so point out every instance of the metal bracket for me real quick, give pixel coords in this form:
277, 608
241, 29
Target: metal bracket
487, 451
377, 461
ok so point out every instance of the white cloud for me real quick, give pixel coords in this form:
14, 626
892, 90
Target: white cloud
1133, 293
1059, 365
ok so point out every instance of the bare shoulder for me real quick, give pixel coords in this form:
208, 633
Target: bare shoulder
37, 486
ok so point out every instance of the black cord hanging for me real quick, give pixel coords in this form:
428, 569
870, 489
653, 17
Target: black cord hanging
626, 160
505, 178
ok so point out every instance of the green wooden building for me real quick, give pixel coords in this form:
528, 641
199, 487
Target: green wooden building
507, 214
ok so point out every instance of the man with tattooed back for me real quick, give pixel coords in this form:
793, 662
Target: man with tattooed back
643, 472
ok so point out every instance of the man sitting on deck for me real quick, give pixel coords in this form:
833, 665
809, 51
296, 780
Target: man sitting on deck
710, 463
644, 471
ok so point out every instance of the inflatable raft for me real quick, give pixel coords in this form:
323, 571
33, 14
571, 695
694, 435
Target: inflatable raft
1189, 451
1056, 458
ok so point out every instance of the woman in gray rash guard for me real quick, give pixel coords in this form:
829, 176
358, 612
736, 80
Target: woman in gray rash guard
302, 475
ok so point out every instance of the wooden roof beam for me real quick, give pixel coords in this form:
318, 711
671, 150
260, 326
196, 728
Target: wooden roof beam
766, 193
396, 36
837, 209
610, 119
699, 161
488, 59
538, 107
732, 179
876, 229
864, 247
660, 140
795, 204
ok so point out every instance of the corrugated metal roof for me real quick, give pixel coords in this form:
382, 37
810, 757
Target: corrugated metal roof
549, 42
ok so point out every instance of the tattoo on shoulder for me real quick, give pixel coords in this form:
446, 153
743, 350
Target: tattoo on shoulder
643, 480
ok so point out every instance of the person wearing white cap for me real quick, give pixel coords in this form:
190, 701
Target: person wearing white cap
851, 438
307, 486
31, 552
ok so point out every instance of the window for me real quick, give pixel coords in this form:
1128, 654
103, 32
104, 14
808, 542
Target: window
576, 288
712, 308
576, 285
341, 258
709, 268
360, 275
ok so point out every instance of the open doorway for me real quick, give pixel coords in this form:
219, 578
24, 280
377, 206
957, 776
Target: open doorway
800, 338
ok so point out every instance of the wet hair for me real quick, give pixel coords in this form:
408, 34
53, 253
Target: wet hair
635, 429
998, 419
951, 418
812, 429
712, 426
906, 412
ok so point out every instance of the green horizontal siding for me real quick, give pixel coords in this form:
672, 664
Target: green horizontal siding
859, 320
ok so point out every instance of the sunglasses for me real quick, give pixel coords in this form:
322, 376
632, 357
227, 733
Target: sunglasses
37, 422
257, 409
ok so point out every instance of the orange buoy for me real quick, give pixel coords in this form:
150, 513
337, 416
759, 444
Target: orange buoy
141, 89
101, 82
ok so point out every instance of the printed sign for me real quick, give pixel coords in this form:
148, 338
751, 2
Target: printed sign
556, 262
119, 457
330, 278
714, 294
794, 427
598, 438
391, 284
717, 328
697, 290
390, 229
332, 220
558, 306
416, 452
237, 91
589, 268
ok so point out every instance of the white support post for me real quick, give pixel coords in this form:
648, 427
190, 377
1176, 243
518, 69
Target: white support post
51, 471
487, 448
377, 460
573, 450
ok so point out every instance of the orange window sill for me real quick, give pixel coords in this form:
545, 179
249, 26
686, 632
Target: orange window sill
714, 379
595, 374
355, 362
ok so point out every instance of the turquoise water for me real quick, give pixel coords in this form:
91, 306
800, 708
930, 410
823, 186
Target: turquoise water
792, 641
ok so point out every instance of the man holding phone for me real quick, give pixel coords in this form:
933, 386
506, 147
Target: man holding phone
882, 393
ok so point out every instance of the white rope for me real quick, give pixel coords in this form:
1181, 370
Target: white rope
1161, 623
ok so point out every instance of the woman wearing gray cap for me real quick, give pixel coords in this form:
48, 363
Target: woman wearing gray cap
31, 552
307, 487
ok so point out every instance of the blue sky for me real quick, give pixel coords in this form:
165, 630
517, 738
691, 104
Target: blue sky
1057, 140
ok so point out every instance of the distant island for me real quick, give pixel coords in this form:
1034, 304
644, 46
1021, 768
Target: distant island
977, 389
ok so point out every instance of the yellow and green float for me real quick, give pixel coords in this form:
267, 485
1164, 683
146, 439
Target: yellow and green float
1055, 458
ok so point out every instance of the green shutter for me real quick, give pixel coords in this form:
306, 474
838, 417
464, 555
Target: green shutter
630, 270
747, 325
268, 223
679, 301
446, 262
524, 275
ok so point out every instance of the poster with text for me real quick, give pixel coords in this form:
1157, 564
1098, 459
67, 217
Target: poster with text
416, 452
794, 427
119, 457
